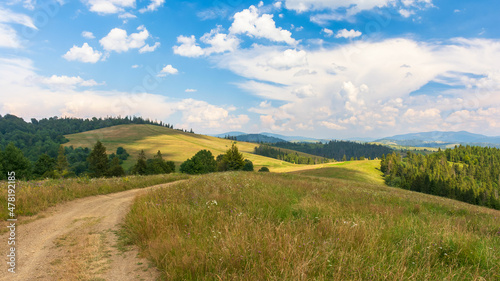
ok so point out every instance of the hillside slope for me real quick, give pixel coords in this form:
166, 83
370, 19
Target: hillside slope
175, 145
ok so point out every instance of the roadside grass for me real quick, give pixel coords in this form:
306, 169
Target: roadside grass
175, 145
254, 226
35, 196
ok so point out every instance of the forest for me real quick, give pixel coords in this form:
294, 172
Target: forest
46, 135
339, 150
269, 151
467, 173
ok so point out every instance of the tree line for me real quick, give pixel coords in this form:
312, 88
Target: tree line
466, 173
44, 136
72, 162
204, 162
276, 153
338, 150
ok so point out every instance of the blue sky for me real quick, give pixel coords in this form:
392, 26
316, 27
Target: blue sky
325, 69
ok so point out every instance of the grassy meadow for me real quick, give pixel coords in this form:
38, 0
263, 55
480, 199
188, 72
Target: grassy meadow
35, 196
175, 145
315, 226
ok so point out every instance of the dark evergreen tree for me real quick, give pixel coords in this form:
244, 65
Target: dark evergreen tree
115, 169
98, 161
62, 161
44, 167
141, 166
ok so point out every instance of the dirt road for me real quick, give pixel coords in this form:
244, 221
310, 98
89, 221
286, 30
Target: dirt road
77, 241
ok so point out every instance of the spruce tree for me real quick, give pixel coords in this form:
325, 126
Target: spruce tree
62, 162
98, 161
141, 167
115, 169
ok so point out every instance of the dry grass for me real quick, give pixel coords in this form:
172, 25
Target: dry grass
253, 226
35, 196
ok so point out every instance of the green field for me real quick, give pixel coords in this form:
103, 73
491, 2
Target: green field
337, 223
175, 145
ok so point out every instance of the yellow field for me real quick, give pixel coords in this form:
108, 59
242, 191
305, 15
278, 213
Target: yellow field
175, 145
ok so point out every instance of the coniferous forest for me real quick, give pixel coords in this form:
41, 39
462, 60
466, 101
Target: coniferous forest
269, 151
339, 150
466, 173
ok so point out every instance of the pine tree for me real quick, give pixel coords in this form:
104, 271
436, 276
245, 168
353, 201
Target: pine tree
141, 166
44, 166
62, 162
98, 161
115, 169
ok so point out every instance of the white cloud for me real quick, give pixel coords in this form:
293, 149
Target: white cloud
127, 16
135, 66
289, 59
7, 16
117, 40
169, 69
362, 85
8, 37
109, 6
219, 42
85, 53
406, 13
327, 31
18, 81
64, 81
147, 48
349, 34
327, 10
190, 90
88, 35
153, 6
188, 47
332, 126
249, 22
277, 4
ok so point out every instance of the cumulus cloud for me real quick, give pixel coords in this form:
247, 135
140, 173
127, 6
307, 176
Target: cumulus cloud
63, 96
190, 90
85, 53
349, 34
169, 69
153, 6
368, 86
118, 41
188, 47
219, 42
251, 23
109, 6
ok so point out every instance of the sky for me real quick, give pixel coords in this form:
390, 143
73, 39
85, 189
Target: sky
316, 68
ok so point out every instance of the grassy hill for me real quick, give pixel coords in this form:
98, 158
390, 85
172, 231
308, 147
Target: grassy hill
338, 223
175, 145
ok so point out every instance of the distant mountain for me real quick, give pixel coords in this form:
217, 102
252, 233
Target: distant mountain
231, 134
441, 139
258, 138
293, 138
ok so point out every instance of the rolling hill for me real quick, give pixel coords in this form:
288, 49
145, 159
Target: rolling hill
175, 145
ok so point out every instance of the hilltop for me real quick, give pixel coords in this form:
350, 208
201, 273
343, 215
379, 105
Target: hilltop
175, 145
440, 139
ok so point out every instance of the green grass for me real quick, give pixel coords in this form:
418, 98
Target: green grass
35, 196
254, 226
175, 145
367, 171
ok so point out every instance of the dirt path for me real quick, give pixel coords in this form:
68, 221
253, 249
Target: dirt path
77, 241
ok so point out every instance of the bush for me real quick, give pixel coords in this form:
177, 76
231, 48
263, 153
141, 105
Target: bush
264, 169
203, 162
248, 167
